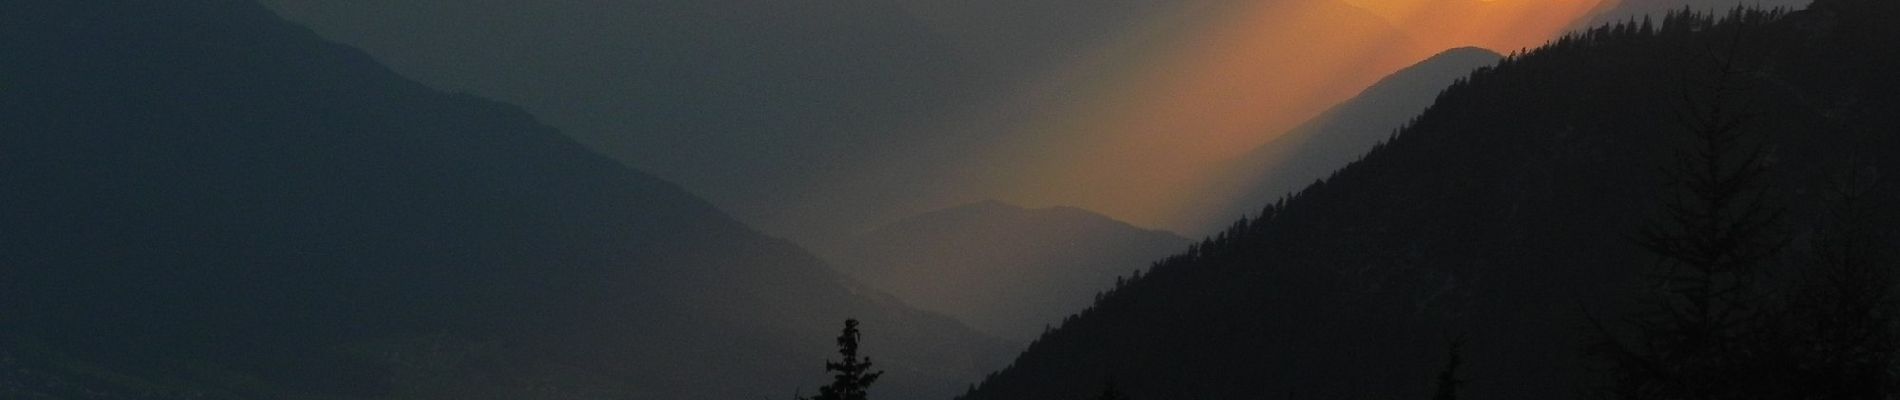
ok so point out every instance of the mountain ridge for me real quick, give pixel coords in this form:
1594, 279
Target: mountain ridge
1341, 134
221, 204
1499, 219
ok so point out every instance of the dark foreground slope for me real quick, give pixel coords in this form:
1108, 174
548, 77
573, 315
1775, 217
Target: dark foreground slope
1005, 270
201, 199
1501, 215
1340, 135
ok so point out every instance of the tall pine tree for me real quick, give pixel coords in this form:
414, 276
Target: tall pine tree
1702, 335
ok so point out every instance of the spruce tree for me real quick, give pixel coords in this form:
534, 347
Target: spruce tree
1702, 336
853, 376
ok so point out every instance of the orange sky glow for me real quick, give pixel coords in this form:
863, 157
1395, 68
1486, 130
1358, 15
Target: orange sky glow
1145, 130
1500, 25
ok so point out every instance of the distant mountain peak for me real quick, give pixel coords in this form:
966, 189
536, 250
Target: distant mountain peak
1470, 50
988, 204
998, 210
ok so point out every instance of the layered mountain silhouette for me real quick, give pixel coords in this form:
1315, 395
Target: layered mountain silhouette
1003, 269
205, 201
754, 105
1313, 150
771, 110
1503, 216
809, 119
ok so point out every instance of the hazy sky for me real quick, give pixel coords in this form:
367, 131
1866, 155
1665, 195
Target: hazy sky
1152, 130
1500, 25
819, 117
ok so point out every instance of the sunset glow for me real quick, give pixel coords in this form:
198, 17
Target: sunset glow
949, 199
1500, 25
1152, 121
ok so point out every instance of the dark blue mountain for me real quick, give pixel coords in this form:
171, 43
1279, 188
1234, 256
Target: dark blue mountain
202, 199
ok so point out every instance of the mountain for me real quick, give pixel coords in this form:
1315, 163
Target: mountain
1503, 216
748, 103
1005, 270
817, 119
762, 107
1340, 135
205, 201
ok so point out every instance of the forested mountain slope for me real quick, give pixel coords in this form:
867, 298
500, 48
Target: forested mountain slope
1339, 136
1623, 10
202, 200
1502, 215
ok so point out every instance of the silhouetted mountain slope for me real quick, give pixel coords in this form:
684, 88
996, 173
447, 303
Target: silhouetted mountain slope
1340, 135
201, 199
1003, 269
1615, 11
1500, 215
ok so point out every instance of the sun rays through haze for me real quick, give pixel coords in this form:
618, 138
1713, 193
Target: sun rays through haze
1138, 130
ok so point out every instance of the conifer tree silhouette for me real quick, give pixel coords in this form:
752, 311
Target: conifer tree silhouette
853, 374
1702, 335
